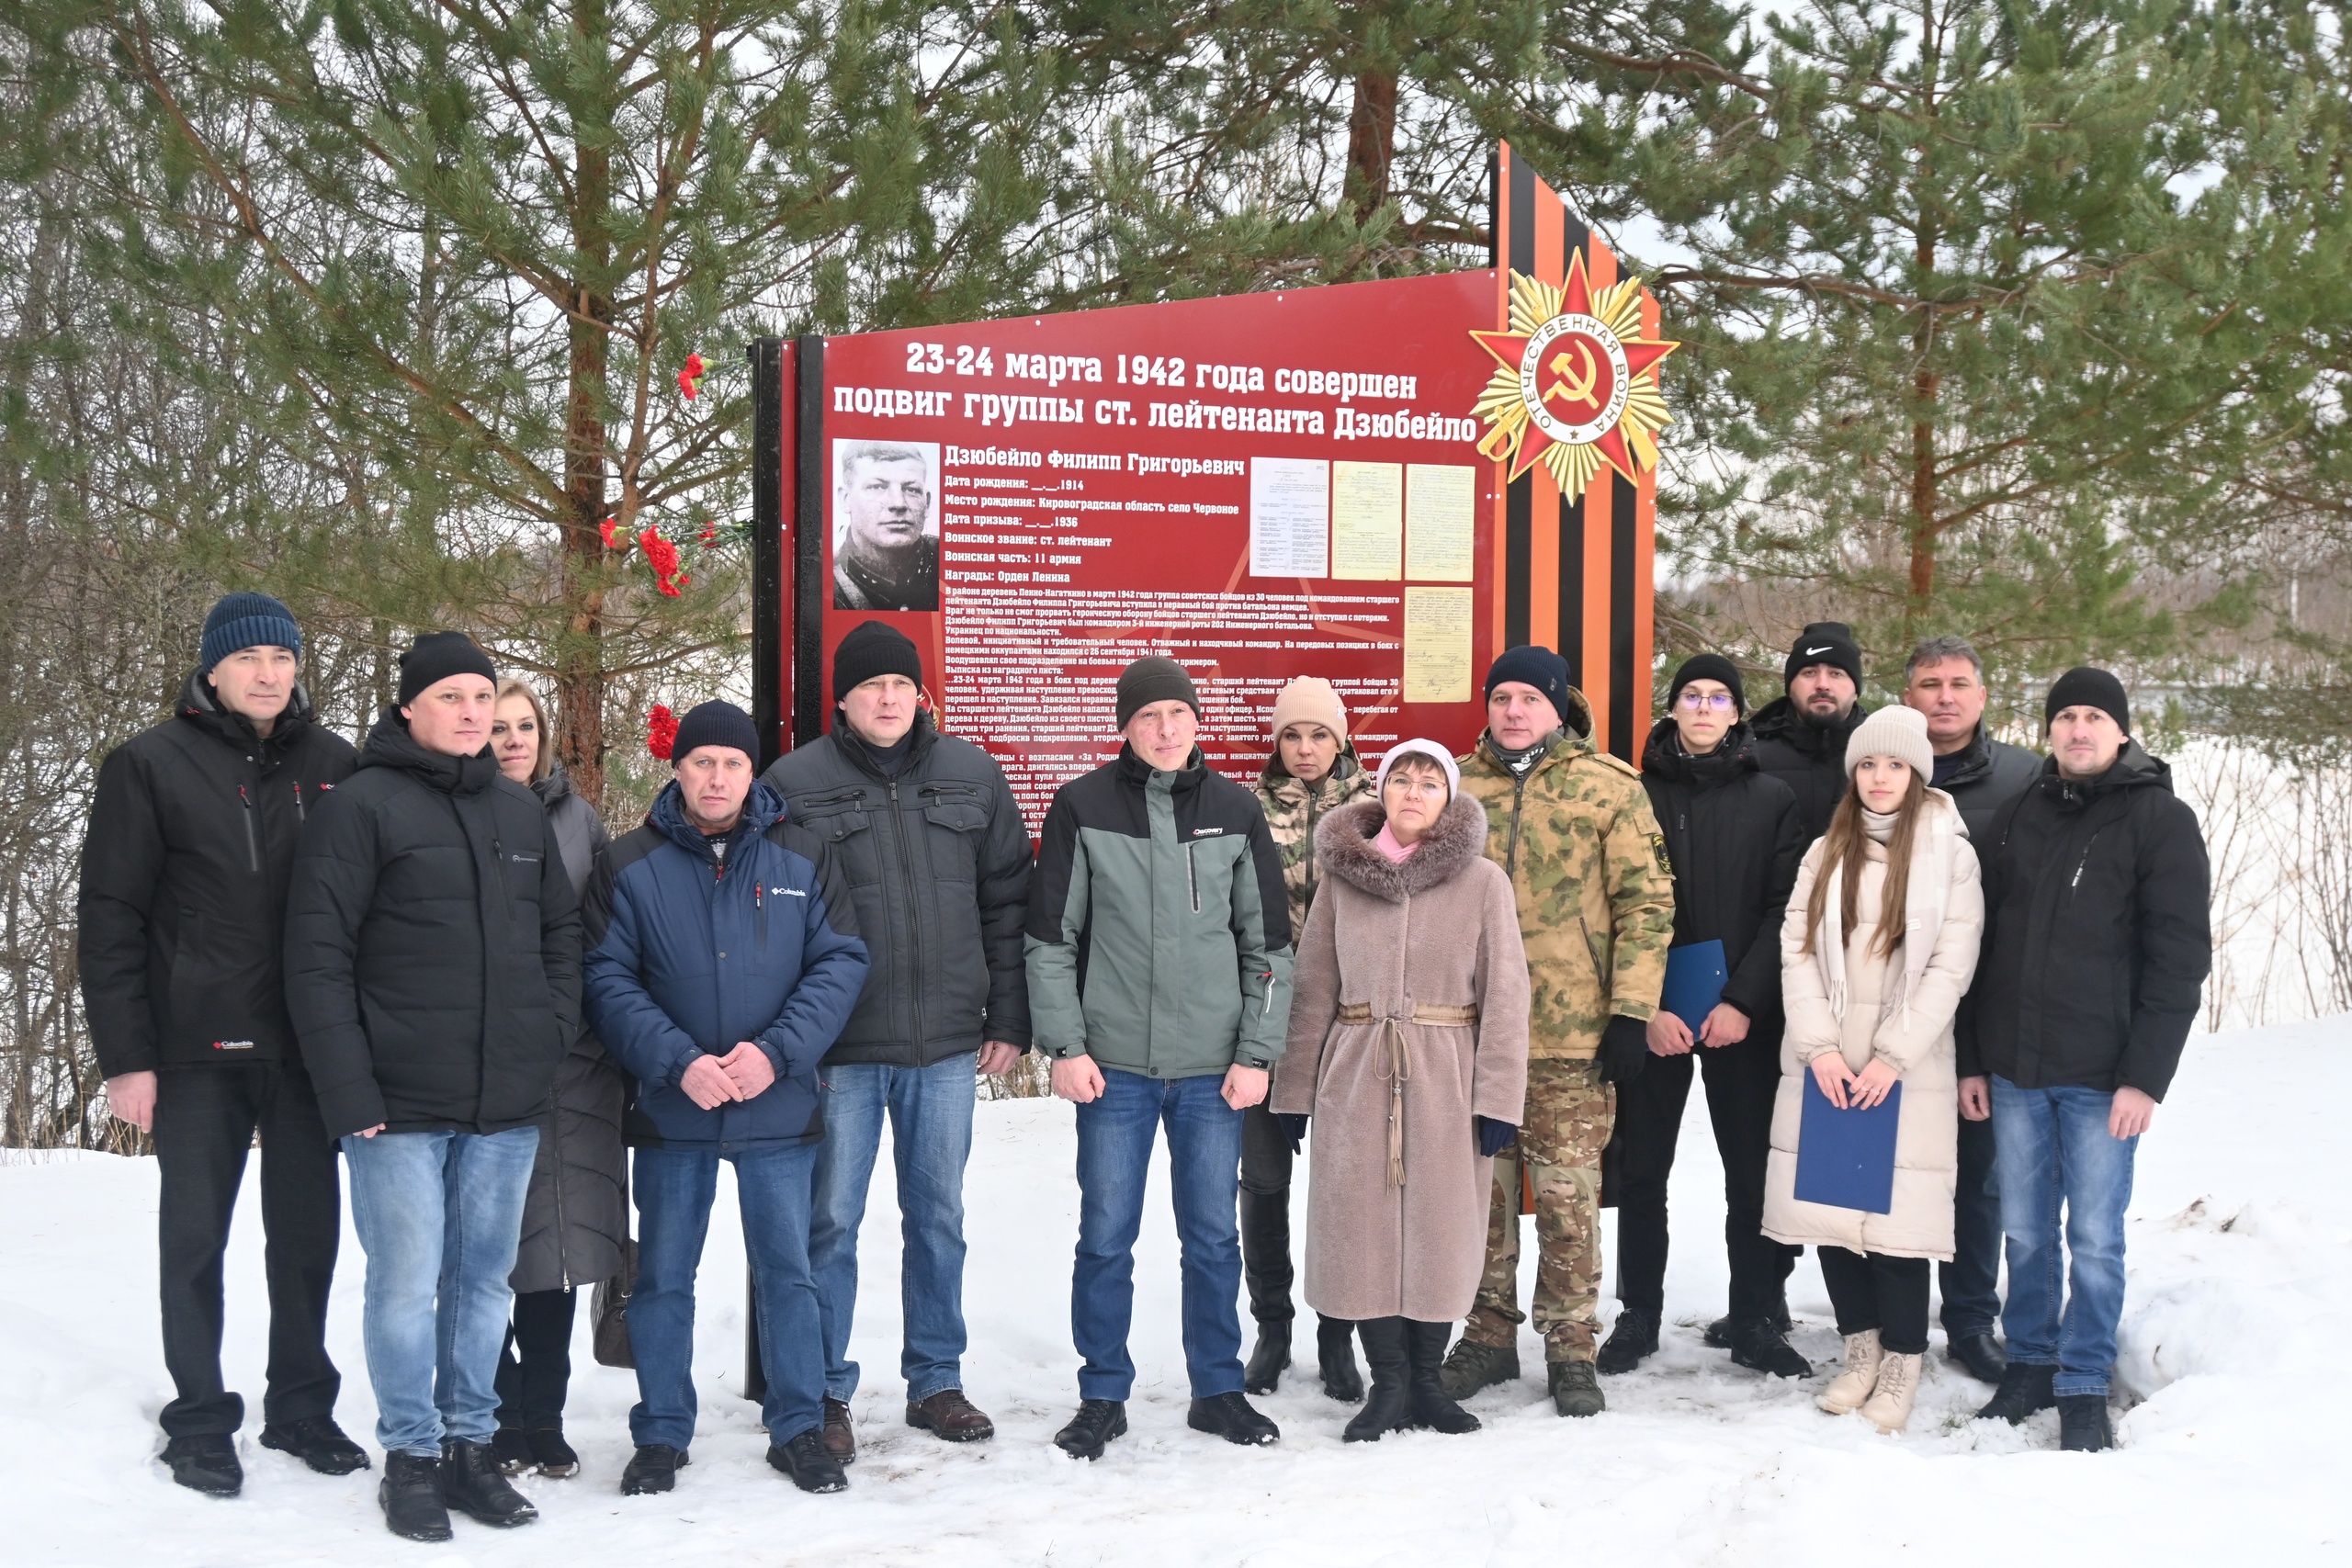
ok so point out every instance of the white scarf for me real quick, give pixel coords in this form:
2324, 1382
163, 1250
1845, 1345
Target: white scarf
1928, 895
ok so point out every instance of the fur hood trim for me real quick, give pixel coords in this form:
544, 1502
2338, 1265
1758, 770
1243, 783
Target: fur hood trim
1343, 844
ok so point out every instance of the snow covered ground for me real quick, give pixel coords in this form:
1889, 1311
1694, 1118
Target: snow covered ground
2233, 1450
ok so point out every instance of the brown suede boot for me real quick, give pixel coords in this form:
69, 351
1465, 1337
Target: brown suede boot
949, 1416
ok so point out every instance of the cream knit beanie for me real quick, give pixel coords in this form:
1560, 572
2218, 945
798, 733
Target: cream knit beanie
1892, 732
1310, 700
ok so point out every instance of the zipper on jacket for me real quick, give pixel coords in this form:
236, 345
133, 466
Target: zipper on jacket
914, 924
759, 913
253, 845
1517, 800
299, 814
1191, 879
497, 854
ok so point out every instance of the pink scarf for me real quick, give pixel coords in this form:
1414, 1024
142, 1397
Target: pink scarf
1386, 843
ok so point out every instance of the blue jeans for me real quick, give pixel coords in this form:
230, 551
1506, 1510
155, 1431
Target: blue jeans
1971, 1282
439, 1215
674, 1187
2054, 1149
930, 1110
1114, 1141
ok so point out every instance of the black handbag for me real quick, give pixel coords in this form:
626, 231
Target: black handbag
609, 1306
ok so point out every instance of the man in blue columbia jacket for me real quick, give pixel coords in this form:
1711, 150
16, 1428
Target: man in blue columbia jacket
727, 962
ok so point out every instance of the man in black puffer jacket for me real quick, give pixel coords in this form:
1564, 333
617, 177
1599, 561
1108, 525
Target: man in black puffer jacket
2097, 943
1801, 739
931, 843
1732, 835
432, 971
182, 911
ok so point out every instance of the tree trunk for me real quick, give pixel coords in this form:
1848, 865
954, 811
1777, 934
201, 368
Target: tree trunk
580, 654
1371, 142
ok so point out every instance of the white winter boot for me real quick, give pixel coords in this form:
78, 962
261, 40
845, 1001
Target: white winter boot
1849, 1388
1888, 1405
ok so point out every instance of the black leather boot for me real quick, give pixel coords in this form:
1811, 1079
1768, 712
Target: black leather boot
1265, 1268
411, 1496
1335, 1348
1425, 1352
1388, 1407
473, 1484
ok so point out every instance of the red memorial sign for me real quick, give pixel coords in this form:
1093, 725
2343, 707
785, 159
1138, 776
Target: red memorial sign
1341, 481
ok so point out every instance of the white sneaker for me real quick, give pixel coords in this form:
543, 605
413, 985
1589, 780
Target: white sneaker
1849, 1388
1888, 1405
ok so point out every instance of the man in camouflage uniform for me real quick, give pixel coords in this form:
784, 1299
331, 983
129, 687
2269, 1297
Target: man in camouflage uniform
1313, 772
1596, 911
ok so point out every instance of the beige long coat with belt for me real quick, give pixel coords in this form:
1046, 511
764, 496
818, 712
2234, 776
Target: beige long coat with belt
1433, 935
1917, 1042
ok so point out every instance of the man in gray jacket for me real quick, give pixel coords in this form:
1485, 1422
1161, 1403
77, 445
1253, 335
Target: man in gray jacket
1944, 679
936, 856
1159, 951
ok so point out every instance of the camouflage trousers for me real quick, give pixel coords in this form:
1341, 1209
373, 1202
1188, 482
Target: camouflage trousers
1569, 1114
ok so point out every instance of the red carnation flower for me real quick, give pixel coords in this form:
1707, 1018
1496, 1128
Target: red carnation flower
606, 528
662, 731
662, 557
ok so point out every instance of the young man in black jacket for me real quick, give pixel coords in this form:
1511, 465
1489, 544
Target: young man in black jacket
1944, 679
931, 842
2096, 942
1801, 739
432, 973
191, 838
1732, 835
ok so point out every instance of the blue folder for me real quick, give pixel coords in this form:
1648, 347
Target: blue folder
1846, 1158
1694, 982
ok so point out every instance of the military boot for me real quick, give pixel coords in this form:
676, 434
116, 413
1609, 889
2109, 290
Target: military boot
1471, 1366
1634, 1337
1575, 1390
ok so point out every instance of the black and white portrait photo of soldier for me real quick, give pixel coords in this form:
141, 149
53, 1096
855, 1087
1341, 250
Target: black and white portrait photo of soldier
885, 537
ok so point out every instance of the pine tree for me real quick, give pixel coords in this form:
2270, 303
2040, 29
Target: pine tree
1962, 302
478, 244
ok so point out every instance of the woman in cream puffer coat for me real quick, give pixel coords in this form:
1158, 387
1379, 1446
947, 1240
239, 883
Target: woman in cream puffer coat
1873, 965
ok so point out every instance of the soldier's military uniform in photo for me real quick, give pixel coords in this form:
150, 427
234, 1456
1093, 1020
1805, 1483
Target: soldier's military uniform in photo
1574, 828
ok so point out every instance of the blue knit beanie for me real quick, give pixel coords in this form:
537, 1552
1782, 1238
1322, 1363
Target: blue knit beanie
1538, 667
246, 620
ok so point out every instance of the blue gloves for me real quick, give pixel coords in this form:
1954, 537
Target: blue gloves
1295, 1125
1624, 1049
1493, 1136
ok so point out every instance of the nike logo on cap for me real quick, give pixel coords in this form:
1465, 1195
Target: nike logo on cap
1811, 651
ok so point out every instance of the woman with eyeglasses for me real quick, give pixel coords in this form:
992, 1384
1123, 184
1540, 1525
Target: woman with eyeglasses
1734, 838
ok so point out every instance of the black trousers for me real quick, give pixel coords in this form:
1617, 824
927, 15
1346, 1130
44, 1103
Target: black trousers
1741, 1082
1871, 1289
1972, 1280
535, 1367
204, 1121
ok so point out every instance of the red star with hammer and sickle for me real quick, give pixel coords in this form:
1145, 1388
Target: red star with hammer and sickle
1641, 354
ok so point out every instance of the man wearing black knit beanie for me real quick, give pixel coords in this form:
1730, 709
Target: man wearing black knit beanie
2097, 943
937, 853
432, 973
1800, 737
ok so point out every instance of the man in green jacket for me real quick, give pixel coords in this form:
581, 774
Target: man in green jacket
1159, 958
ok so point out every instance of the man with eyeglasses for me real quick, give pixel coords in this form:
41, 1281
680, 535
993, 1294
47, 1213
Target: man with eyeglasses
1733, 837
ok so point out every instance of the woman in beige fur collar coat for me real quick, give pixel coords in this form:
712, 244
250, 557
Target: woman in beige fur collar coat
1877, 948
1408, 1049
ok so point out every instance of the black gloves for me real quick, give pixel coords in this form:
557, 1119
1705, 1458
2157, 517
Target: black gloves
1295, 1125
1493, 1136
1625, 1048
